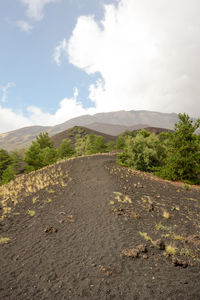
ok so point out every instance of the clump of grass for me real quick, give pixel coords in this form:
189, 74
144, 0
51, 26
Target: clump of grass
51, 191
186, 187
31, 213
166, 214
146, 237
122, 199
162, 227
112, 202
177, 237
170, 249
4, 240
34, 200
185, 251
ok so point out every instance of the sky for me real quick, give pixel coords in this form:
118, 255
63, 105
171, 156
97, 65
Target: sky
60, 59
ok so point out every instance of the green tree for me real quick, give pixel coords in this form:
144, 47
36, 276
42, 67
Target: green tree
47, 156
41, 153
8, 175
111, 146
120, 143
90, 144
183, 151
44, 140
5, 161
32, 157
65, 149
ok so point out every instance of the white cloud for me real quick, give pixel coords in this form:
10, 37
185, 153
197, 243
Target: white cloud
10, 120
4, 90
68, 108
35, 8
59, 51
147, 53
24, 26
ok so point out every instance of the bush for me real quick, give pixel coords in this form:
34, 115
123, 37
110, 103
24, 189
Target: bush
111, 146
120, 143
90, 144
65, 149
5, 161
8, 175
144, 152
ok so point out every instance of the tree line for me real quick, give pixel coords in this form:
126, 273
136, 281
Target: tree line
173, 155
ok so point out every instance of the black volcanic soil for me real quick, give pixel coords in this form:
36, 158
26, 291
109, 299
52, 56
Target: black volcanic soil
98, 237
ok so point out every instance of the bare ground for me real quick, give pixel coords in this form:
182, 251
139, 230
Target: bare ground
100, 233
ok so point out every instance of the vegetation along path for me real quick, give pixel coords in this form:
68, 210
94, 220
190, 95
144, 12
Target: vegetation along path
88, 229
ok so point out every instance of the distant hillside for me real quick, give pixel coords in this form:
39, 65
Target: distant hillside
122, 118
112, 123
114, 129
72, 132
20, 138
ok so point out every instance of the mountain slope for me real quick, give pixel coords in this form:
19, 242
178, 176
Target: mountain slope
22, 137
88, 229
82, 131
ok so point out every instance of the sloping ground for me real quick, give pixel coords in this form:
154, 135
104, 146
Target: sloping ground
82, 131
89, 229
20, 138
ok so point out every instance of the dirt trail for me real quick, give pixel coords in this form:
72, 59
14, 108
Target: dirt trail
70, 248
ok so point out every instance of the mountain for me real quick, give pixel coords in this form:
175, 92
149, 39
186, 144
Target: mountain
71, 133
111, 123
114, 129
20, 138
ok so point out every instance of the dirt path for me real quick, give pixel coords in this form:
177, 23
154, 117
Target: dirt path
70, 248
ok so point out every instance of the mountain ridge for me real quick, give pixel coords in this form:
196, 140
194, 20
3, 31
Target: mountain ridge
126, 120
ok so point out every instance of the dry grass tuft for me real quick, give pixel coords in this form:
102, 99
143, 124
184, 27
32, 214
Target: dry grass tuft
4, 240
171, 249
31, 213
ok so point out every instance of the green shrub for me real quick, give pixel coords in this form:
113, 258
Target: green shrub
144, 152
65, 149
120, 143
90, 144
8, 175
5, 161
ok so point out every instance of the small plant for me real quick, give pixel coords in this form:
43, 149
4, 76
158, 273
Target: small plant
186, 187
162, 227
185, 251
177, 237
4, 240
165, 214
31, 213
146, 237
34, 200
171, 250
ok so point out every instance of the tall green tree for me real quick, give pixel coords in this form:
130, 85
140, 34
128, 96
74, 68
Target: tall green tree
183, 151
44, 140
41, 153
